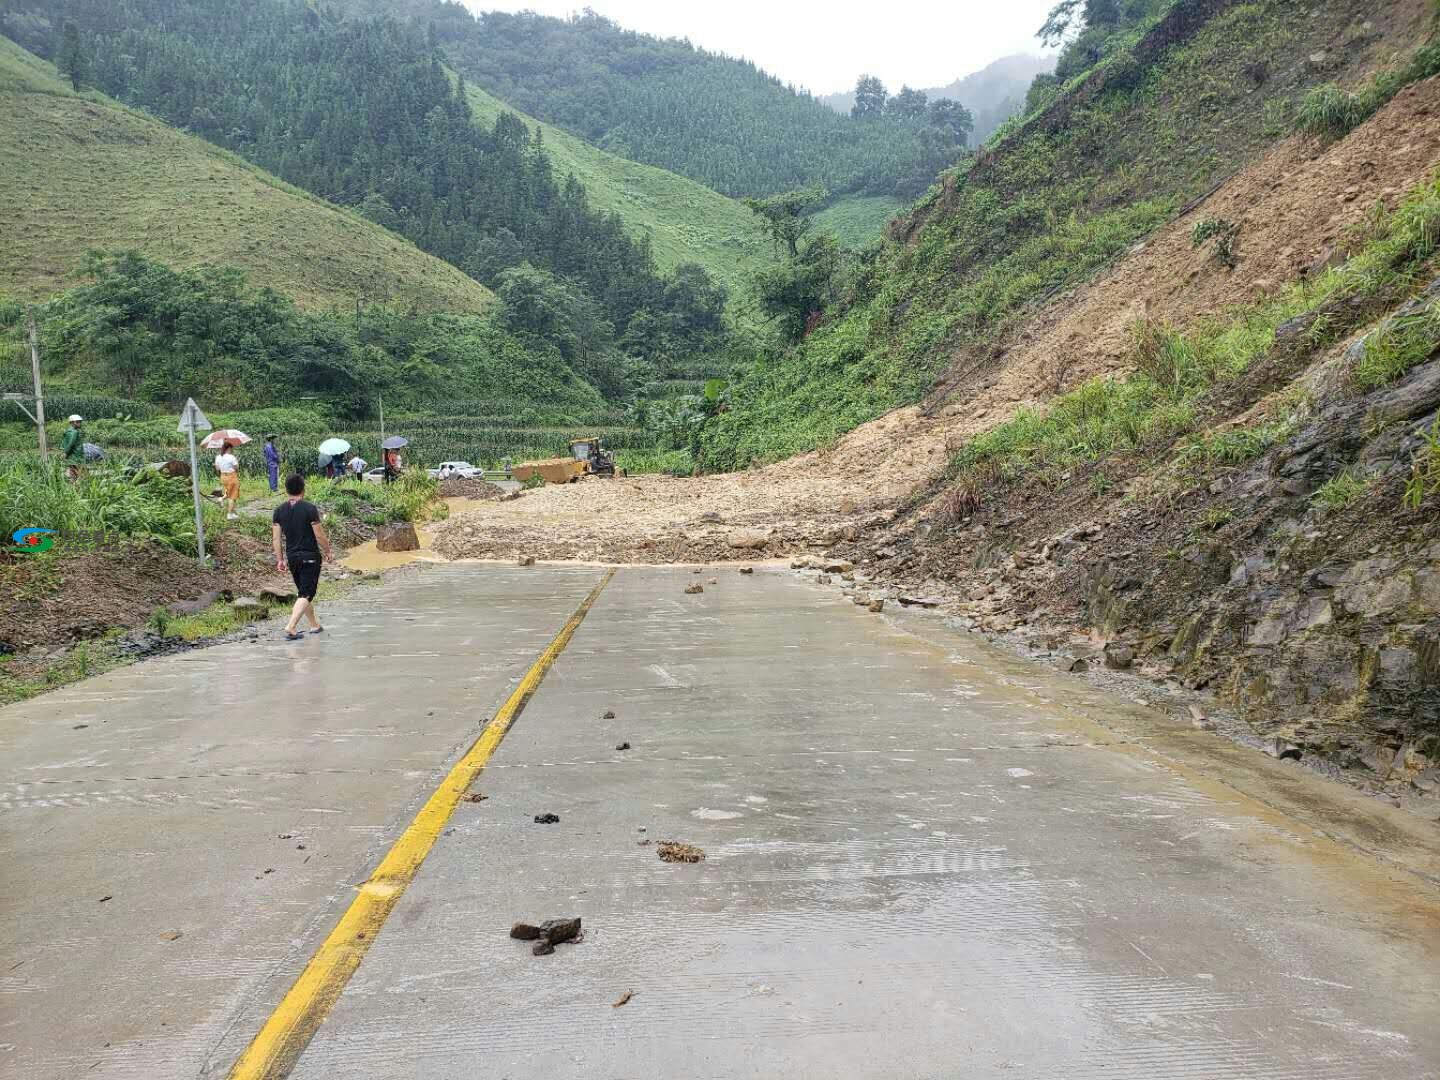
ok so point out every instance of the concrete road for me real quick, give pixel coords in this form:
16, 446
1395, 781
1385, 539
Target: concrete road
923, 859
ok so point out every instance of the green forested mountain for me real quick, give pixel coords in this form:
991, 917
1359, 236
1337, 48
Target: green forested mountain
718, 120
993, 94
79, 172
363, 113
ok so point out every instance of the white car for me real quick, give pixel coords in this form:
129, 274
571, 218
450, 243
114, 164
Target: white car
462, 469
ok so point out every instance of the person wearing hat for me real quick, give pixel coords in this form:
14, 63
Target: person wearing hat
72, 447
272, 462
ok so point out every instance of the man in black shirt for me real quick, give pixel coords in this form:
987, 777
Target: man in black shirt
297, 523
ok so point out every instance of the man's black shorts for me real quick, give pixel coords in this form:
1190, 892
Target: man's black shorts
306, 573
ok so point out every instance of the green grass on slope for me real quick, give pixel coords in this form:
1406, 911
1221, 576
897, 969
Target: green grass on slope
858, 220
686, 221
80, 172
991, 248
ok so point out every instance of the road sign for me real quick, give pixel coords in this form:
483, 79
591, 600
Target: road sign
192, 418
191, 421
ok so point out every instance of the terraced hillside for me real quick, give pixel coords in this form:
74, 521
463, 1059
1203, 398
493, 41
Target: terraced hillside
685, 221
79, 172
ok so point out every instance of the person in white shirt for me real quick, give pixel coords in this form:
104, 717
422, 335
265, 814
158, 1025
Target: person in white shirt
357, 467
228, 466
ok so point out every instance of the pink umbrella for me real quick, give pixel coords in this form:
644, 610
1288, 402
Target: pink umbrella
217, 439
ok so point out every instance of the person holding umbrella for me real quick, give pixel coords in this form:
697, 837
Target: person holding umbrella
272, 462
330, 450
392, 447
227, 465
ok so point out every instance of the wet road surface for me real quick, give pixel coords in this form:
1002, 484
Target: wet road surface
924, 858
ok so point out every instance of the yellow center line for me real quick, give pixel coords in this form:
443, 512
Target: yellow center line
292, 1025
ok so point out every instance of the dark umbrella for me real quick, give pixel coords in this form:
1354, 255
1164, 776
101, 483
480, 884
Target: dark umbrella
394, 442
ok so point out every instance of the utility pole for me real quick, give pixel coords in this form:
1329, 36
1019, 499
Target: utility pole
381, 400
35, 374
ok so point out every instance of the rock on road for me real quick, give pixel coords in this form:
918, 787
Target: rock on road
922, 858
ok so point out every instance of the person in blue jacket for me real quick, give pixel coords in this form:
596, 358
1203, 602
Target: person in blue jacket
272, 462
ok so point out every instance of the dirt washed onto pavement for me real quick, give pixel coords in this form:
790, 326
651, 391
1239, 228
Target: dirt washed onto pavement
656, 519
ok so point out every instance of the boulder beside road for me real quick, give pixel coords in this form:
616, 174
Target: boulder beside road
397, 536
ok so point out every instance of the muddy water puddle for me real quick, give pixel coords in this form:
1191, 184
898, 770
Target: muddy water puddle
367, 557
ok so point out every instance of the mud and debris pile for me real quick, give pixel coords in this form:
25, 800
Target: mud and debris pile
84, 595
460, 487
737, 517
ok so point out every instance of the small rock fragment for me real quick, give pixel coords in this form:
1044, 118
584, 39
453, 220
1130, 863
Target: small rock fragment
876, 606
747, 569
1279, 748
547, 819
1076, 665
691, 590
823, 579
524, 931
559, 931
624, 999
475, 796
525, 560
170, 935
675, 851
608, 714
542, 948
622, 746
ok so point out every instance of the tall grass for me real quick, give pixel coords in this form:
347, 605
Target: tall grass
36, 494
1329, 112
1397, 346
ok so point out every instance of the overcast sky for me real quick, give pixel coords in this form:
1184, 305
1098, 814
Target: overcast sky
826, 46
